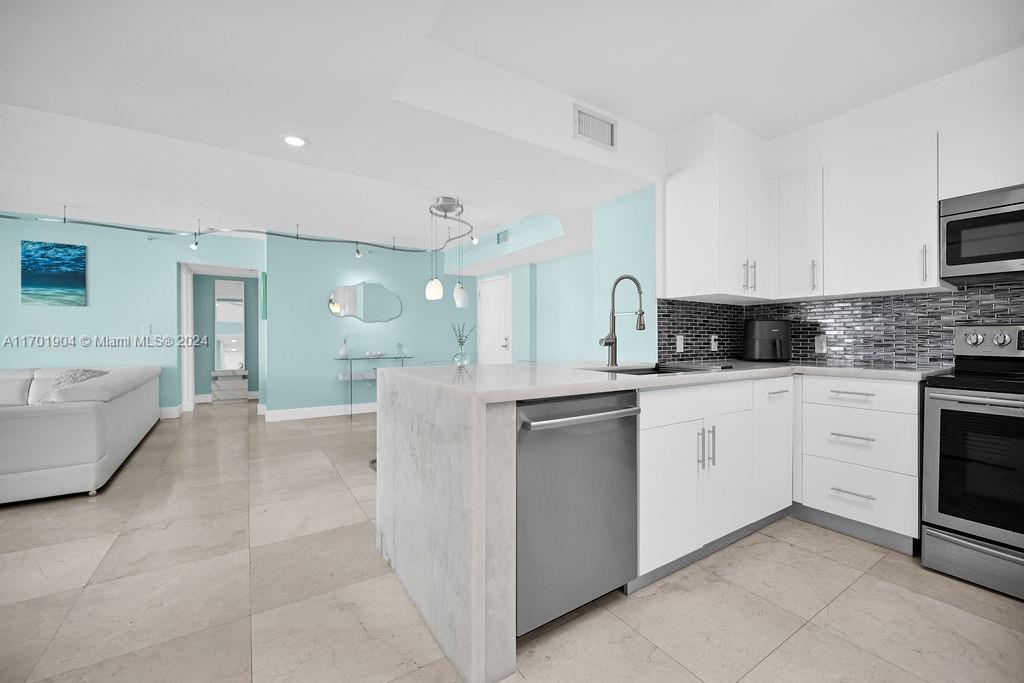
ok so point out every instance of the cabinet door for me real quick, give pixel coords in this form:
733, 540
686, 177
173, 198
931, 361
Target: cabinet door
800, 234
881, 220
729, 503
734, 206
763, 239
980, 157
669, 474
771, 469
691, 231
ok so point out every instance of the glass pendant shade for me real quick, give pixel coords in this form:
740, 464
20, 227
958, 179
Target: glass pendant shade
459, 296
434, 290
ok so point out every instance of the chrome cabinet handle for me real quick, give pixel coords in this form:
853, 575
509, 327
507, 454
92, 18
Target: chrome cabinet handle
840, 435
852, 493
780, 391
746, 274
866, 394
753, 276
924, 262
814, 275
700, 449
714, 447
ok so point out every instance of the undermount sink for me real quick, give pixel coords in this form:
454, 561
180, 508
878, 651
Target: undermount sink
658, 369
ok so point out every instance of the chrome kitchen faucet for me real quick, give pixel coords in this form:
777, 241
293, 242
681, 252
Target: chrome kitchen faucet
610, 340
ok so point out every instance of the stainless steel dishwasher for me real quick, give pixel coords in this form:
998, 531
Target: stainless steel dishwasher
575, 503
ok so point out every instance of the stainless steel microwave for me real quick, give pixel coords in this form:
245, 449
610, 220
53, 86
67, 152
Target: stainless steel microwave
982, 236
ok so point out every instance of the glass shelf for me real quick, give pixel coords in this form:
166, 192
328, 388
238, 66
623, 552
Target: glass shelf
352, 380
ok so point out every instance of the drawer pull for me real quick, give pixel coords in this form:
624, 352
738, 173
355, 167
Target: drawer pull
852, 493
840, 435
865, 394
780, 391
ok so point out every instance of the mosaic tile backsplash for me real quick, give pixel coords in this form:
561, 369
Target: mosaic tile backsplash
904, 329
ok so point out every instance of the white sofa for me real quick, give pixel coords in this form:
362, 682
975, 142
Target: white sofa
76, 442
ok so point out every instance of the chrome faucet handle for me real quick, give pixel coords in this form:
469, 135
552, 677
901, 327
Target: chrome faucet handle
607, 340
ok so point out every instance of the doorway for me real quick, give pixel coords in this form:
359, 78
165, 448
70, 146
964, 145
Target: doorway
494, 320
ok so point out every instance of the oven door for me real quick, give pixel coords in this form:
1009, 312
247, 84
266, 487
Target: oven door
973, 467
983, 242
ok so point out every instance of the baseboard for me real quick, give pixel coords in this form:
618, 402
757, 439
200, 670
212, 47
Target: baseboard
203, 398
318, 411
170, 413
865, 532
261, 409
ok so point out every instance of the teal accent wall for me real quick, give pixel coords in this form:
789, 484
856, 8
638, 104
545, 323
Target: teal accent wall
204, 316
561, 306
625, 241
131, 282
303, 337
532, 230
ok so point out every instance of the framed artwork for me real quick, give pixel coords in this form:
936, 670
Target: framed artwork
52, 274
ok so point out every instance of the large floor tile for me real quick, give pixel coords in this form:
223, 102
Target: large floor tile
261, 448
366, 631
907, 572
440, 671
296, 476
935, 641
33, 573
356, 442
193, 456
167, 480
792, 578
221, 653
715, 629
300, 567
301, 516
813, 654
190, 502
367, 497
357, 474
68, 518
845, 549
26, 629
591, 645
177, 541
124, 615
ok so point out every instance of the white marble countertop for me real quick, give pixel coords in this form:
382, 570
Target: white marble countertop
525, 381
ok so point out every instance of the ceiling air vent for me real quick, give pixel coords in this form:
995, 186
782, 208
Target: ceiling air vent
503, 236
594, 128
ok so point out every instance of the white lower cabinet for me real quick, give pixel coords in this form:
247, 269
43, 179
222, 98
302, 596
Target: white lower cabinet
700, 479
887, 500
670, 483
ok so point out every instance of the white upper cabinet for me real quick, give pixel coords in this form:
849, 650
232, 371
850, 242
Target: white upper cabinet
881, 220
977, 158
801, 251
720, 233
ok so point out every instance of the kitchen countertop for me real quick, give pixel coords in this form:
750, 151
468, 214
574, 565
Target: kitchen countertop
525, 381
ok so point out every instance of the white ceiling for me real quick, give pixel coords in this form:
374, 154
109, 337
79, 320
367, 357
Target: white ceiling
172, 111
772, 66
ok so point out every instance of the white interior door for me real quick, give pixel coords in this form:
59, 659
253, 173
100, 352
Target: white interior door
494, 320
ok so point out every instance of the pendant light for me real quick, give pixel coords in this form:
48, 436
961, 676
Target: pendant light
434, 291
459, 295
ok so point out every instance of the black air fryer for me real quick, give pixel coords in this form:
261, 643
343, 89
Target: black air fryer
766, 340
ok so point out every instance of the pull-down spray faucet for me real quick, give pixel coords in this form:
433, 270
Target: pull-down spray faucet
610, 340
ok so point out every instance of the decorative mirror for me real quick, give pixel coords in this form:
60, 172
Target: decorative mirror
229, 324
368, 301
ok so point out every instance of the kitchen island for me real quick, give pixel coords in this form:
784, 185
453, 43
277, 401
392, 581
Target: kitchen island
446, 503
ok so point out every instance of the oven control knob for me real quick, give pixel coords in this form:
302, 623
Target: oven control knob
1002, 339
975, 339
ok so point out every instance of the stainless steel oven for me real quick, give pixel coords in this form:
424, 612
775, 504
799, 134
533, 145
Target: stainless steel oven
972, 498
982, 236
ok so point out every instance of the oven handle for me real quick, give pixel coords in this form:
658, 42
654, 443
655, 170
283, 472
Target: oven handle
979, 401
973, 546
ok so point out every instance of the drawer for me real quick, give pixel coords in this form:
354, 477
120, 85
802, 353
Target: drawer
886, 500
887, 441
659, 407
870, 394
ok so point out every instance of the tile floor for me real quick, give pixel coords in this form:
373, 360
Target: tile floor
230, 549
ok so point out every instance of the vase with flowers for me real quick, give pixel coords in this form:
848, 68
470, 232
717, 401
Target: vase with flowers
461, 337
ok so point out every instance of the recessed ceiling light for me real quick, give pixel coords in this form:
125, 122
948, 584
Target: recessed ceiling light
294, 140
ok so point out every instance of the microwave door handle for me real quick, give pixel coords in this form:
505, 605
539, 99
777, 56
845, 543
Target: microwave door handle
979, 400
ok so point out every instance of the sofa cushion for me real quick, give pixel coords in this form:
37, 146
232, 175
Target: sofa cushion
14, 386
66, 379
119, 382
